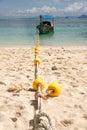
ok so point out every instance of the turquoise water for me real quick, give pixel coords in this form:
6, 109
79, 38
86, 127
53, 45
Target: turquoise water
72, 31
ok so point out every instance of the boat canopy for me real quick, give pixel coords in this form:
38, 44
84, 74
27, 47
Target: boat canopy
47, 17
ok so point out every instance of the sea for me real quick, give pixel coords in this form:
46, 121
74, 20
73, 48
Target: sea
23, 32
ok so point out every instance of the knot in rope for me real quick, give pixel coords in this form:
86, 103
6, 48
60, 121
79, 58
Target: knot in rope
43, 122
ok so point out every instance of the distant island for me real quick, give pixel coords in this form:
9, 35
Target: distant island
67, 17
83, 16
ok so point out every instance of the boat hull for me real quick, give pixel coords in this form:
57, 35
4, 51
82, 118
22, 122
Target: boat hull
44, 29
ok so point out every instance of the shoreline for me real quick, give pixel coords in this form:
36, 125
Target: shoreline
45, 46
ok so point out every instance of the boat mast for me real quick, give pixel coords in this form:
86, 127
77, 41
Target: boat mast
41, 19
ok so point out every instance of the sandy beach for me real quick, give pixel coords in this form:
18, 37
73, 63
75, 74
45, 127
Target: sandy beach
65, 65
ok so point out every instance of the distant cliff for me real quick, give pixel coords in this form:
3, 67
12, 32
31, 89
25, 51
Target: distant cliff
83, 16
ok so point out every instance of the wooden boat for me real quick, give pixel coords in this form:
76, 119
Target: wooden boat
46, 24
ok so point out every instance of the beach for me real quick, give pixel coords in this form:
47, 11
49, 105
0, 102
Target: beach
65, 65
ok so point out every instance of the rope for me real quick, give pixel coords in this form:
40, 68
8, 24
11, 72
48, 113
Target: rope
41, 120
37, 45
36, 71
39, 99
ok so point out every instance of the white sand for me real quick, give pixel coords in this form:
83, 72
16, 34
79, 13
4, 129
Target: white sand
68, 111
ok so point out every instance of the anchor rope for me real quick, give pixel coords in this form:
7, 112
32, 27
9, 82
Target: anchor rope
42, 121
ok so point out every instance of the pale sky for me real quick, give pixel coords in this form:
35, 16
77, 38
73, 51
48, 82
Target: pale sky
30, 8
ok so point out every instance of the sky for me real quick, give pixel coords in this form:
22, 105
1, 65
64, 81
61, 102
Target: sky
31, 8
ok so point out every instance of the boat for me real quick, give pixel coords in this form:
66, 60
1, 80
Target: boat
46, 24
